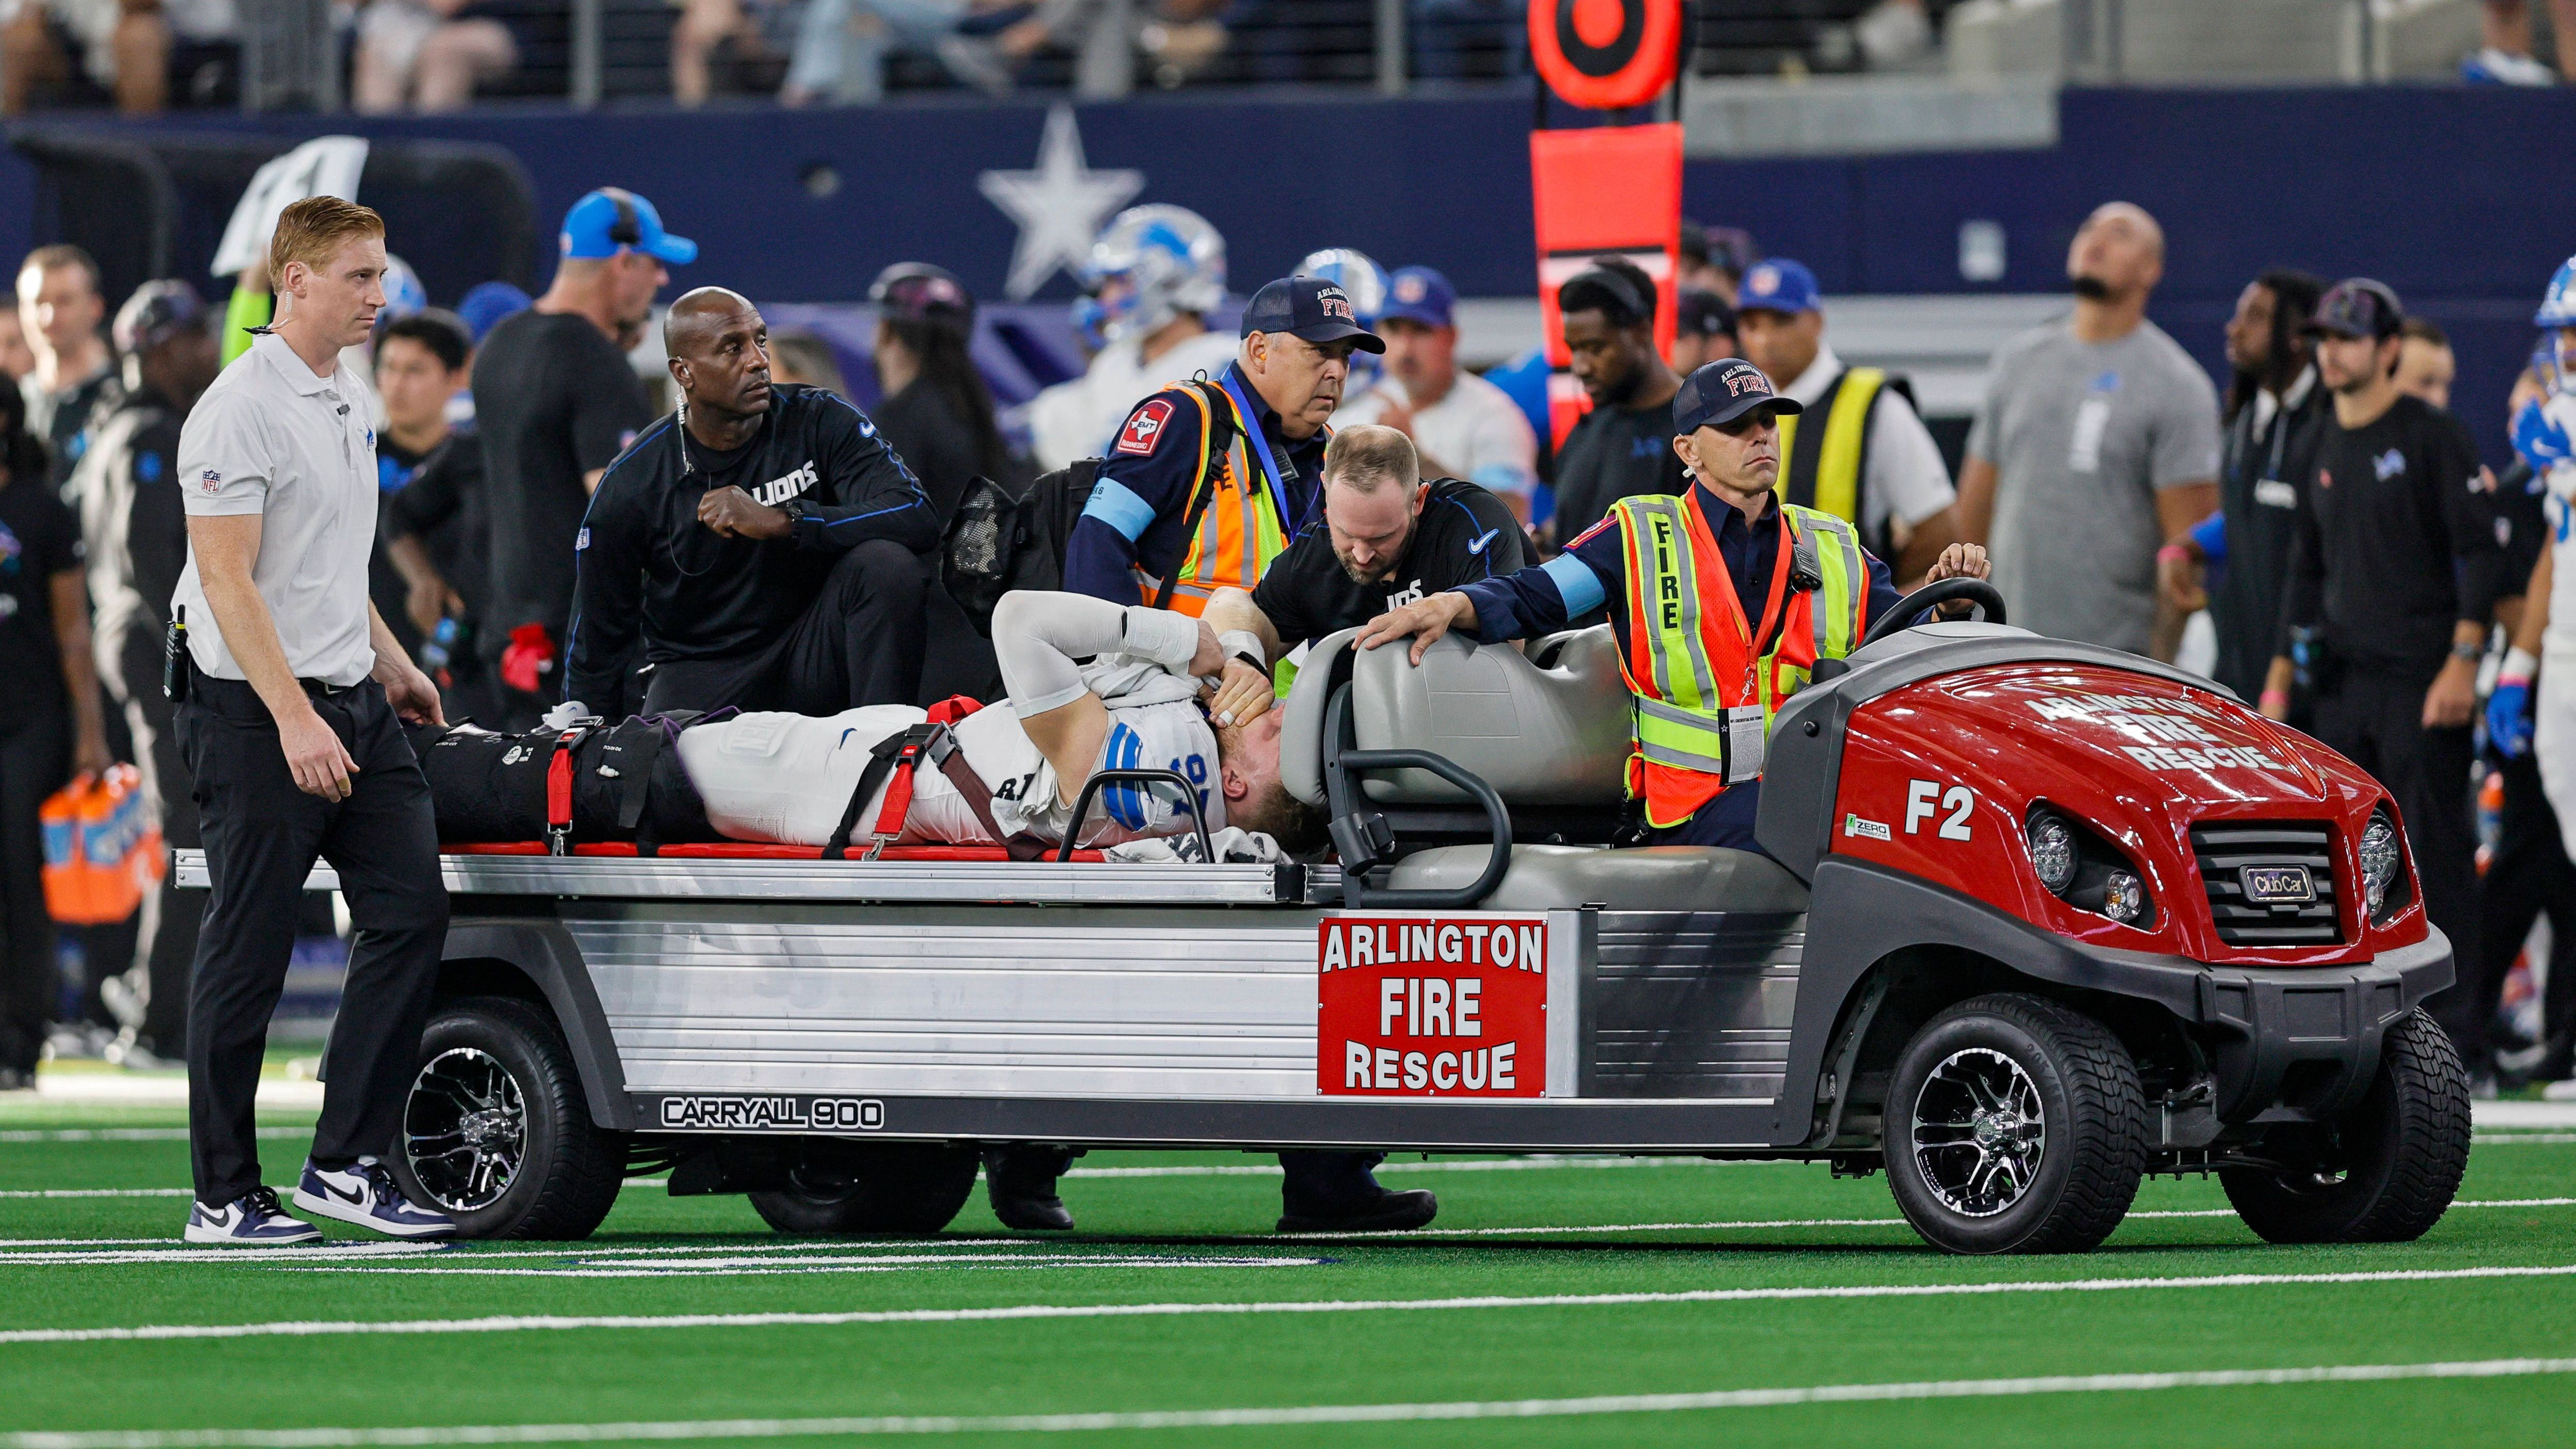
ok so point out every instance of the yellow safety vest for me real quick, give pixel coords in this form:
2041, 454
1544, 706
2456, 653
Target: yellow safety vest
1829, 471
1705, 700
1239, 533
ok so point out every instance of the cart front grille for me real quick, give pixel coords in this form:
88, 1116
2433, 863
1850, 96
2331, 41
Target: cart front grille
2226, 852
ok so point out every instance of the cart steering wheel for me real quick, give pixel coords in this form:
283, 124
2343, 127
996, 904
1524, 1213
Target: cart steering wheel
1988, 599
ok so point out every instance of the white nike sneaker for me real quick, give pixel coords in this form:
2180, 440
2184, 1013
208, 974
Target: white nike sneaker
366, 1194
252, 1220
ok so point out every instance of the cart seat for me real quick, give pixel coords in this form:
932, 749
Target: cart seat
1649, 878
1548, 729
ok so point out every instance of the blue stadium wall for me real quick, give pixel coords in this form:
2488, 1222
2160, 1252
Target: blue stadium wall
2461, 199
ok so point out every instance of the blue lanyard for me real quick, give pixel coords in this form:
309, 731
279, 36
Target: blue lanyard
1262, 457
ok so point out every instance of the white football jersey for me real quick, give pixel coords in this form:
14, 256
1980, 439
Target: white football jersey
787, 778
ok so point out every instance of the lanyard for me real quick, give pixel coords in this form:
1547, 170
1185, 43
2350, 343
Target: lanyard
1259, 449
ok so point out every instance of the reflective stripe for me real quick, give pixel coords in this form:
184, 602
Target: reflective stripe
1117, 505
1576, 583
1846, 439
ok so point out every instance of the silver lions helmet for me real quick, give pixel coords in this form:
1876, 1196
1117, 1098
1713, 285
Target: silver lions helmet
1150, 265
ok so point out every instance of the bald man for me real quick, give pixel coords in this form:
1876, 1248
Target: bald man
763, 540
2095, 449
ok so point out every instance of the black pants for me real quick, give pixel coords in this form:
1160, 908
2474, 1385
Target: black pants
166, 936
35, 760
2529, 875
2377, 721
860, 642
262, 835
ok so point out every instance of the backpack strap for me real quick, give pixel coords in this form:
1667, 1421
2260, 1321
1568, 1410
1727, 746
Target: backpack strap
1216, 441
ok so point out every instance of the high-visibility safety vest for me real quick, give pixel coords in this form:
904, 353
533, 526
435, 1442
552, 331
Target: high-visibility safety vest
1824, 452
1707, 680
1240, 529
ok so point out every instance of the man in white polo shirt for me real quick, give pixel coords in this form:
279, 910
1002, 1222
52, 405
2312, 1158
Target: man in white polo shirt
288, 721
1462, 426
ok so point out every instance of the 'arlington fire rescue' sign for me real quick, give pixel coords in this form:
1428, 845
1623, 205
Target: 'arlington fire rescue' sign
1428, 1007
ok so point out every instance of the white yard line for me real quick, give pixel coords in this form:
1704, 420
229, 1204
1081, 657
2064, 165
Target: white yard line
130, 1134
1313, 1414
2523, 1114
788, 1267
557, 1323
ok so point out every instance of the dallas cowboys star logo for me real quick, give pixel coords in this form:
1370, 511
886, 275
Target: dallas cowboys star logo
1059, 207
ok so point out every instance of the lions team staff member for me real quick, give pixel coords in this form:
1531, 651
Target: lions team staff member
1766, 588
289, 727
1285, 381
1864, 456
1387, 538
2395, 567
764, 537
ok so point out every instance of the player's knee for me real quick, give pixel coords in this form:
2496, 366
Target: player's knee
881, 572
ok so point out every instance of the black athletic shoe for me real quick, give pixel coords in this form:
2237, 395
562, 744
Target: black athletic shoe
1020, 1181
1388, 1212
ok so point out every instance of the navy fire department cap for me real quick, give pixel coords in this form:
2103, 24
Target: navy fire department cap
1723, 391
157, 312
1310, 308
2359, 307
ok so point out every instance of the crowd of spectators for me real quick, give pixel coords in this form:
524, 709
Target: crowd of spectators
2119, 492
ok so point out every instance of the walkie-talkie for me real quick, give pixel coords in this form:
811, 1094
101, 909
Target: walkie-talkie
174, 658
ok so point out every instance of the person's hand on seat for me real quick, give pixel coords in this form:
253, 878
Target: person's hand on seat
1425, 620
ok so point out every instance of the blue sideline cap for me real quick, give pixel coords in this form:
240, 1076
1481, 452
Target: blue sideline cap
608, 219
488, 306
1308, 307
1778, 285
1419, 294
1723, 391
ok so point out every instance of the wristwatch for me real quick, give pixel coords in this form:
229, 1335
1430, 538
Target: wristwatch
2471, 652
797, 512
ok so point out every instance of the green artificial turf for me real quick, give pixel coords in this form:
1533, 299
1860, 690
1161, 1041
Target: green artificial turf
1152, 1228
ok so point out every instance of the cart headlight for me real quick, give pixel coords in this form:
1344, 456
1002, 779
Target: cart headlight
2052, 853
2124, 897
2379, 862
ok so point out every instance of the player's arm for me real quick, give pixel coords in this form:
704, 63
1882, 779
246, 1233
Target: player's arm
1037, 636
868, 492
607, 602
1242, 626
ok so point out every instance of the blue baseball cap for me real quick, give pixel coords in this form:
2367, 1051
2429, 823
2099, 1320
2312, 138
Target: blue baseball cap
609, 219
1723, 391
488, 305
1308, 307
1778, 285
1419, 294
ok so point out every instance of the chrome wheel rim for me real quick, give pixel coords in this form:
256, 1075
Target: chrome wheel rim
1979, 1132
465, 1129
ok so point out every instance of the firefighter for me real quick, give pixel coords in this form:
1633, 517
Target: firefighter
1722, 600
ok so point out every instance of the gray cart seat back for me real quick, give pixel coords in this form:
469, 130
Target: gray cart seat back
1556, 735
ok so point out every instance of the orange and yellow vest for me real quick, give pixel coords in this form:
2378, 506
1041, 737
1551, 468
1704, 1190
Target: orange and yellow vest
1240, 530
1706, 687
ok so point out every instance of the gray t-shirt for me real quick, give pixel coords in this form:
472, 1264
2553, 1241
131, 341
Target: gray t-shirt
2082, 436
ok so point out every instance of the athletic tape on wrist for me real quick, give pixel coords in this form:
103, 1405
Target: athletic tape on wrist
1169, 639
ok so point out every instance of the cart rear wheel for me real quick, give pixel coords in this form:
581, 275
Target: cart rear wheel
496, 1131
2015, 1125
2387, 1171
889, 1189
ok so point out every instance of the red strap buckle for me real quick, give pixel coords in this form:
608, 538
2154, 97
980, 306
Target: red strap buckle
898, 803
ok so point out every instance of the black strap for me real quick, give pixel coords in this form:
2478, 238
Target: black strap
881, 762
1221, 431
979, 798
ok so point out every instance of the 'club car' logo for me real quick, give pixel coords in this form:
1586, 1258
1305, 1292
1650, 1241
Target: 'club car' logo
2277, 885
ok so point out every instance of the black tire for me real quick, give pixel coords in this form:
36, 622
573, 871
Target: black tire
498, 1061
891, 1189
2079, 1162
2385, 1173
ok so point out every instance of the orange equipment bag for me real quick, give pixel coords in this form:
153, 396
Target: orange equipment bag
102, 848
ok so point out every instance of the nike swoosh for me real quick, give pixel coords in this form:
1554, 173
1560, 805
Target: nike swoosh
1479, 545
353, 1199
